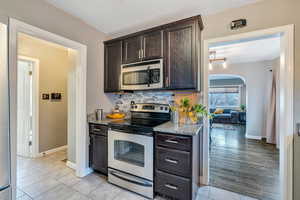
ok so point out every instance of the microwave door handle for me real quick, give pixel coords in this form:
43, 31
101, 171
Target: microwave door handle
149, 76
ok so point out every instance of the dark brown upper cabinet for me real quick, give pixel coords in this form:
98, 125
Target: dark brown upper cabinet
143, 47
112, 66
132, 50
177, 43
181, 55
152, 45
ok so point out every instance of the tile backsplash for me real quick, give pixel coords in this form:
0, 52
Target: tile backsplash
164, 97
124, 100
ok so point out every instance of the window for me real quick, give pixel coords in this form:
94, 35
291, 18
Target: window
224, 97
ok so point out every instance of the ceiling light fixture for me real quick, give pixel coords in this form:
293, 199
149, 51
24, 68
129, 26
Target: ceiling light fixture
224, 64
213, 58
210, 66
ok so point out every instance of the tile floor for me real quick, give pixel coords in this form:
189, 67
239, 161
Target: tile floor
48, 178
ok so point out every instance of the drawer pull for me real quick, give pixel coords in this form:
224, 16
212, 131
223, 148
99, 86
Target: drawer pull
171, 161
172, 187
96, 129
171, 141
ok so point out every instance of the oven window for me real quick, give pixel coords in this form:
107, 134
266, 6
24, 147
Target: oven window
129, 152
136, 78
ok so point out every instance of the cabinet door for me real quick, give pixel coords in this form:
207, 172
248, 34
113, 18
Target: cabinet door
132, 50
99, 153
112, 66
181, 58
152, 45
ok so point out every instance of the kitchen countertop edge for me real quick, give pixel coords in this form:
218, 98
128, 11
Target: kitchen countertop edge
179, 129
167, 127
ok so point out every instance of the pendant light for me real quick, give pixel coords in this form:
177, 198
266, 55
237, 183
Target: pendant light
210, 66
224, 64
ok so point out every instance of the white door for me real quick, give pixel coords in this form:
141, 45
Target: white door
24, 126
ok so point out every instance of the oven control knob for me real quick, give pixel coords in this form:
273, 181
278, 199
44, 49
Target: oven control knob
166, 108
135, 107
161, 108
132, 107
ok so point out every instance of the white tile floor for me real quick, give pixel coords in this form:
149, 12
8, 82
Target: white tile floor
48, 178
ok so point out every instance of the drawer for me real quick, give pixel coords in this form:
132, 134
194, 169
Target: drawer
174, 141
173, 161
172, 186
98, 129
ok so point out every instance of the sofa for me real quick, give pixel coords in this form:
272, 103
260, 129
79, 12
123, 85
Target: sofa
229, 116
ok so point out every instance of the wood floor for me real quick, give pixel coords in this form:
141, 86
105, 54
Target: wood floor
248, 167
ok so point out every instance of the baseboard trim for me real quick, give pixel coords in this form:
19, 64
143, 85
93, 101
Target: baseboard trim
202, 180
71, 165
253, 137
53, 151
85, 172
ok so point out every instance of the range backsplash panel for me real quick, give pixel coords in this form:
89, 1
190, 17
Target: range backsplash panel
124, 100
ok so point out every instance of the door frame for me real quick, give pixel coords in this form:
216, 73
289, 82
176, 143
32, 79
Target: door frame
286, 102
35, 103
15, 27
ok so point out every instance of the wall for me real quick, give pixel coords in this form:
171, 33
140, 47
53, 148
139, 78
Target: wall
256, 82
53, 73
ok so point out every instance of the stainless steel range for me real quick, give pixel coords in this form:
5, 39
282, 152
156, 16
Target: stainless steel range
130, 148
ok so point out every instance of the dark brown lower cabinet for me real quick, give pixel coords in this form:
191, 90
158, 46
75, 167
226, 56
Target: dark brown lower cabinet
177, 167
98, 148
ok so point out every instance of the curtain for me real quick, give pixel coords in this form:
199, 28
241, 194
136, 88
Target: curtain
271, 114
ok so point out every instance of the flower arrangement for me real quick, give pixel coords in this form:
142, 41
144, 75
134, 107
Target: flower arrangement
191, 113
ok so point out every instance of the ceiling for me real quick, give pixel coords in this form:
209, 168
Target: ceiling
115, 17
263, 49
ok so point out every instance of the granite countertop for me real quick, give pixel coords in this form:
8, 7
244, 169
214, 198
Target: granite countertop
168, 127
181, 129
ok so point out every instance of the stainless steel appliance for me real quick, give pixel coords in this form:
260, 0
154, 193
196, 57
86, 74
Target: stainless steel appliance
142, 76
130, 148
5, 190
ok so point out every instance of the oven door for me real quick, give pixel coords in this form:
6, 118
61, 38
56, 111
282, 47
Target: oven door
142, 77
131, 153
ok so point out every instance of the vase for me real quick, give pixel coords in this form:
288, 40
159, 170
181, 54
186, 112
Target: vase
175, 117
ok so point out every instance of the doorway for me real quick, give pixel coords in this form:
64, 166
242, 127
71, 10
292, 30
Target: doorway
79, 60
285, 129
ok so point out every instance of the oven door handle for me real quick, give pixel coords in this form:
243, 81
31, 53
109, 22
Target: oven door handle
144, 183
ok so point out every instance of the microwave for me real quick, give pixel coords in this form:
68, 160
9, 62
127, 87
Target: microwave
145, 75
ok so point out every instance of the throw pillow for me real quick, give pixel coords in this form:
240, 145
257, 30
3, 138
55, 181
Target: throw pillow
219, 111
